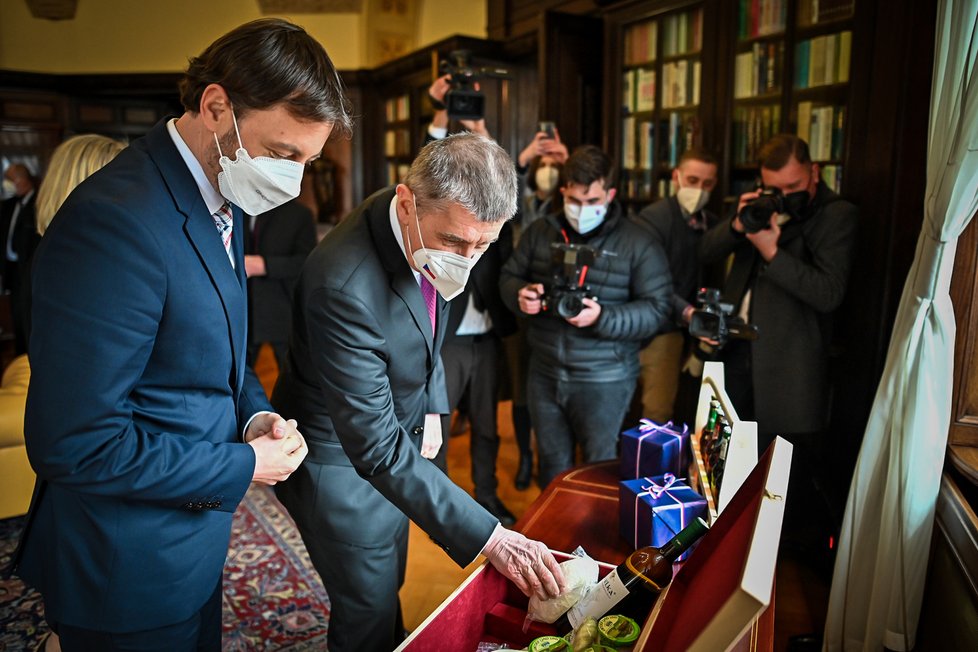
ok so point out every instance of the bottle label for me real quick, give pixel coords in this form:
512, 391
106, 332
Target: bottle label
598, 600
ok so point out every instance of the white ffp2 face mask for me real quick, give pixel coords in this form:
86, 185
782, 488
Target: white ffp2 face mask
692, 199
546, 178
260, 184
585, 219
447, 272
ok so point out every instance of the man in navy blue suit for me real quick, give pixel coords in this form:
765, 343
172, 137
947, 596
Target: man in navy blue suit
144, 424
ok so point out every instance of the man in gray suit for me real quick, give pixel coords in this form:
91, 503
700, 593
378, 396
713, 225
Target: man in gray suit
365, 378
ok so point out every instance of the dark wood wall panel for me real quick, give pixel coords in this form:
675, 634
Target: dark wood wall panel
964, 296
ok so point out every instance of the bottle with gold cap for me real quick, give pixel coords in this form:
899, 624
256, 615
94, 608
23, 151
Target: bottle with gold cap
649, 568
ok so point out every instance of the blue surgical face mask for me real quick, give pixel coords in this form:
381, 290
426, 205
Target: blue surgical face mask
585, 219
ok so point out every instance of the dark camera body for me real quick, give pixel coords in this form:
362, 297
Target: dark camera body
463, 102
712, 320
566, 301
756, 214
569, 264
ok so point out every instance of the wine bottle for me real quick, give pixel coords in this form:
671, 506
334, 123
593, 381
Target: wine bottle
707, 431
649, 568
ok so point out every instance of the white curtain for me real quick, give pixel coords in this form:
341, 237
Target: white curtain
878, 584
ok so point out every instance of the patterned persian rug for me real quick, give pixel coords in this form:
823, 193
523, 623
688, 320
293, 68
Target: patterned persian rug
273, 598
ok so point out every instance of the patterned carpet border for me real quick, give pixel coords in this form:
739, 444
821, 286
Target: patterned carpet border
273, 599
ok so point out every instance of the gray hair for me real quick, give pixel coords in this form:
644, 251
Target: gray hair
466, 169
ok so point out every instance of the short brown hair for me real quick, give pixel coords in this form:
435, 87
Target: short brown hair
697, 154
776, 152
586, 165
267, 62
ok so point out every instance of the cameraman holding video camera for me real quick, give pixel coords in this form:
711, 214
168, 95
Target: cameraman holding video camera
594, 285
792, 243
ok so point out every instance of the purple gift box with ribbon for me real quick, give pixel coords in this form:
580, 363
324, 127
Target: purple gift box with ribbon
653, 510
655, 449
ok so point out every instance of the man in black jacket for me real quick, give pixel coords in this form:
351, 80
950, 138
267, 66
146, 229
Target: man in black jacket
787, 278
583, 366
19, 239
277, 245
677, 224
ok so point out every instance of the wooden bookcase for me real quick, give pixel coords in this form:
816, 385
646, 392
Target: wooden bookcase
752, 69
398, 131
791, 71
658, 78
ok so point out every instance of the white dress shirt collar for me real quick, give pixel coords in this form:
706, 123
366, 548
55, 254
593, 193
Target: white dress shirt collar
396, 228
212, 198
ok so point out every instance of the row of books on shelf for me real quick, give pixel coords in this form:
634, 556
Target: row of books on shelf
682, 33
677, 133
761, 17
396, 172
823, 60
397, 142
759, 70
643, 185
640, 42
832, 176
398, 108
681, 83
638, 90
813, 12
823, 128
752, 127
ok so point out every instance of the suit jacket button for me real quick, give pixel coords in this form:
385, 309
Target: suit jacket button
417, 431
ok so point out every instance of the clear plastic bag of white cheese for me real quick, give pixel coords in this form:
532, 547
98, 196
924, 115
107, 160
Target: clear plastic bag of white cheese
580, 572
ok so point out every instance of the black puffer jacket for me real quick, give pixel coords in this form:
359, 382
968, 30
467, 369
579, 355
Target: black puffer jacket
633, 288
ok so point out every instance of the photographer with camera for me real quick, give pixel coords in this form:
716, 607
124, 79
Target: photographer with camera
677, 223
792, 243
593, 285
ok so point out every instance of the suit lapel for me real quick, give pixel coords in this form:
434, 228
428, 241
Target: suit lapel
202, 234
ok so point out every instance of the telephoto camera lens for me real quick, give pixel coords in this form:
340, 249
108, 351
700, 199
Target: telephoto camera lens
756, 214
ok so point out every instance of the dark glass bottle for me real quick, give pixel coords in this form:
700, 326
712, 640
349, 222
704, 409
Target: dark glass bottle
708, 427
649, 568
724, 448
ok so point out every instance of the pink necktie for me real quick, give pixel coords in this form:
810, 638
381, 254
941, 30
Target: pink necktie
428, 292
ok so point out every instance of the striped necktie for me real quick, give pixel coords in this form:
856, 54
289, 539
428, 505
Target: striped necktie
223, 220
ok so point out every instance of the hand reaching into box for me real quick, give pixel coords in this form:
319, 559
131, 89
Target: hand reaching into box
525, 562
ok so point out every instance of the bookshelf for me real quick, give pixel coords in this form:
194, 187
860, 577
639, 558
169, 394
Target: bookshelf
791, 73
823, 59
660, 81
397, 137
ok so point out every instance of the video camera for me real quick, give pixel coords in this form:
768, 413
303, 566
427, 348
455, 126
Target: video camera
464, 102
712, 320
570, 264
756, 214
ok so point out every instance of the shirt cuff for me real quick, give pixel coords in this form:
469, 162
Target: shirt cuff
499, 528
437, 132
245, 429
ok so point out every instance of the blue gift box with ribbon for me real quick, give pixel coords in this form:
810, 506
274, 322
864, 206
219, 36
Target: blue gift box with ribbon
651, 449
653, 510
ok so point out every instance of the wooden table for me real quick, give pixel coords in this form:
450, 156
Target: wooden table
580, 508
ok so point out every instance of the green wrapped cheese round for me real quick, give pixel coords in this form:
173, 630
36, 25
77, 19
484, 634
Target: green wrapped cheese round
548, 644
618, 631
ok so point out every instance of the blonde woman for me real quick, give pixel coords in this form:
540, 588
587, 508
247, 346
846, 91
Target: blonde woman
73, 161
